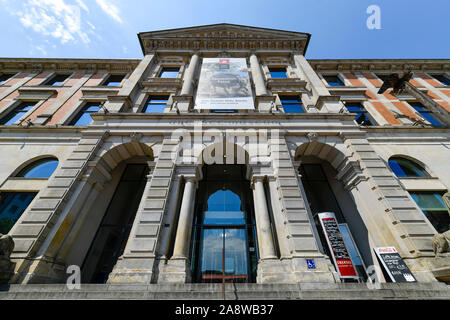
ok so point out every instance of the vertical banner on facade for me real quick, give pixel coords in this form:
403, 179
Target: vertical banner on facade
341, 256
224, 84
394, 265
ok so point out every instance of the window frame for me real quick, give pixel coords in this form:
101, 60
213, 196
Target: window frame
278, 69
13, 108
424, 174
11, 76
446, 82
17, 193
156, 97
167, 68
81, 111
296, 98
33, 164
107, 80
364, 112
337, 76
426, 114
48, 81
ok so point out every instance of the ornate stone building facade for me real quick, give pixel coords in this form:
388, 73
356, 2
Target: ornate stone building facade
111, 166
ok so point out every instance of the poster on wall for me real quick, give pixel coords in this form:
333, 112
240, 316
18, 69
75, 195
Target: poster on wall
336, 244
394, 265
224, 85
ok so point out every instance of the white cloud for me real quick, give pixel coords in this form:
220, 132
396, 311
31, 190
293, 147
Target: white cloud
110, 9
54, 18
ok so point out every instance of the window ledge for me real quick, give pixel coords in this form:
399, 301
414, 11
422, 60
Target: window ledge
422, 184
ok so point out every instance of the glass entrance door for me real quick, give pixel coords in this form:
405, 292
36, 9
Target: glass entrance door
224, 255
224, 246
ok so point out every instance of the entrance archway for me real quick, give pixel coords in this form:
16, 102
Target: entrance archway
224, 238
322, 168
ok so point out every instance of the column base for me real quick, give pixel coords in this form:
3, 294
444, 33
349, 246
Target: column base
132, 270
175, 270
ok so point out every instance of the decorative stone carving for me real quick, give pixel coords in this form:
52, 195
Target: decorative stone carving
441, 242
6, 248
312, 136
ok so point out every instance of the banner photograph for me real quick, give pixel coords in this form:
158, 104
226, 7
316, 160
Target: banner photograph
224, 84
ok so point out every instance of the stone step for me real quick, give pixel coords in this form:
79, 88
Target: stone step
314, 291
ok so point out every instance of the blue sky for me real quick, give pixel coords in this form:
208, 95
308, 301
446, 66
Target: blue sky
108, 28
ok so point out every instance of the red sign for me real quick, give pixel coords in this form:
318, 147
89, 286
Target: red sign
341, 257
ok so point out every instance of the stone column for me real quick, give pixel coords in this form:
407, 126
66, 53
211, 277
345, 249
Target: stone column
169, 221
258, 77
189, 76
264, 99
184, 230
279, 219
263, 230
185, 100
177, 268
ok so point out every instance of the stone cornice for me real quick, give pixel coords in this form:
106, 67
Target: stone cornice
89, 65
379, 65
223, 37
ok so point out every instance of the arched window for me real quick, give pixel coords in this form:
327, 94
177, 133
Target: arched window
42, 168
404, 168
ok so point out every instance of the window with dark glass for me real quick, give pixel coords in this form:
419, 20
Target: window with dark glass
292, 104
155, 104
321, 198
57, 80
12, 205
434, 208
42, 168
278, 72
83, 118
334, 81
442, 79
5, 77
114, 80
404, 168
361, 113
167, 72
18, 112
425, 113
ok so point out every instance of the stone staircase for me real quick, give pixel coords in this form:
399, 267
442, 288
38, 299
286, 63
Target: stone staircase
306, 291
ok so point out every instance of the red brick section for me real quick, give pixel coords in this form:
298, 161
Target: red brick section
431, 94
95, 80
372, 79
444, 104
47, 104
430, 80
385, 112
66, 108
404, 109
353, 79
38, 79
74, 79
446, 92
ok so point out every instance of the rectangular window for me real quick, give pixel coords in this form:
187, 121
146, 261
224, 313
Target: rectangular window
334, 81
83, 118
57, 80
434, 208
169, 72
114, 80
425, 113
292, 104
278, 72
361, 113
5, 77
17, 113
155, 104
442, 79
12, 205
